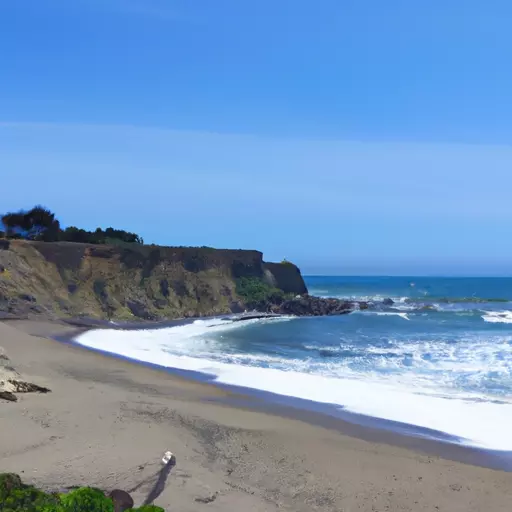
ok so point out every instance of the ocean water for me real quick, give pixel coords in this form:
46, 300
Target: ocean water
439, 357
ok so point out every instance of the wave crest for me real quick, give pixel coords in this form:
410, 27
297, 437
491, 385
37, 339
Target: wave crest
498, 317
427, 396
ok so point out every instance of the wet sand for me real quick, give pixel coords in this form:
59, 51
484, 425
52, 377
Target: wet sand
107, 423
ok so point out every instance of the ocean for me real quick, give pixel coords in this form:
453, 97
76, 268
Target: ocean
438, 358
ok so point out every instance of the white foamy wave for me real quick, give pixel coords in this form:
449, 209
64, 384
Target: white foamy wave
423, 366
326, 294
205, 333
383, 313
406, 399
318, 292
401, 315
498, 317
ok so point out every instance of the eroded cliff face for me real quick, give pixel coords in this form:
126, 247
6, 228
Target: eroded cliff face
137, 282
286, 277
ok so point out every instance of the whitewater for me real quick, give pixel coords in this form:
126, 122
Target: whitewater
439, 357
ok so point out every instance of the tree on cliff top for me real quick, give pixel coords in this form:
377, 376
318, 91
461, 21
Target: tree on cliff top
39, 223
100, 236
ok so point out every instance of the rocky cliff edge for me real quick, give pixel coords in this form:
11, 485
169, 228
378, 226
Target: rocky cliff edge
65, 279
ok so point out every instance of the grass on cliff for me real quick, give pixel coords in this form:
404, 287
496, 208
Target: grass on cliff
15, 496
257, 294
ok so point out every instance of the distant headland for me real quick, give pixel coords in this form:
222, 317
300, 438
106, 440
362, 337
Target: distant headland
111, 274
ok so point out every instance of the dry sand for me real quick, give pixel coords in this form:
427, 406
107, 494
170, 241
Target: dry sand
108, 422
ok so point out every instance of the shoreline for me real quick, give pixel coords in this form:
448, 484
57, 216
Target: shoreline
108, 421
368, 428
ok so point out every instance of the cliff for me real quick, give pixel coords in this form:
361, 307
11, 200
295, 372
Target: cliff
64, 279
286, 277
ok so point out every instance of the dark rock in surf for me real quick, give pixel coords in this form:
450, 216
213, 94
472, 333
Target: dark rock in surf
307, 305
388, 302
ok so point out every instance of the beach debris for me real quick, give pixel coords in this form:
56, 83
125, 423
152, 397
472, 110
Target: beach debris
208, 499
169, 461
167, 457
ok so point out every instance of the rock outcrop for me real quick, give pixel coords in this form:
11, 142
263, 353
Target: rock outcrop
121, 499
11, 381
308, 305
286, 277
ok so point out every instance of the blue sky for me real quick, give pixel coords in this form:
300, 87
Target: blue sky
354, 136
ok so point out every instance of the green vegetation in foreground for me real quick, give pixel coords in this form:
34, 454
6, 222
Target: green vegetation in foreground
256, 294
15, 496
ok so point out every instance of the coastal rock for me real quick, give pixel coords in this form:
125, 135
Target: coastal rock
388, 302
131, 282
27, 297
307, 305
286, 277
7, 395
139, 310
122, 500
21, 386
11, 381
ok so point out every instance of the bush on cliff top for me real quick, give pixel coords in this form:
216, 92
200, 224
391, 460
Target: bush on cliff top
39, 223
15, 496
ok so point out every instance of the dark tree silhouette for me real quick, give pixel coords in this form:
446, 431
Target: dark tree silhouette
40, 223
13, 222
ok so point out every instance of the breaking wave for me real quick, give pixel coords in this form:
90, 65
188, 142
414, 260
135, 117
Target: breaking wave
459, 387
498, 317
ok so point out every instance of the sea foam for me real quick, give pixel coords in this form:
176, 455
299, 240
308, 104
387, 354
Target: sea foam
474, 421
498, 317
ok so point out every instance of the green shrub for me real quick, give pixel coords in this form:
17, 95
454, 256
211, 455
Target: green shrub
86, 499
16, 496
256, 293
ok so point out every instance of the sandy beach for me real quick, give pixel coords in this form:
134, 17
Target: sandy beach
107, 423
